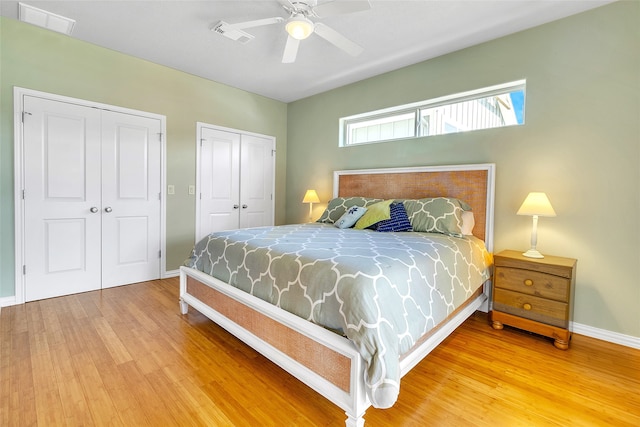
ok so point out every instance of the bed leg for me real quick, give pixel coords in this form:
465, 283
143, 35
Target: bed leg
354, 421
184, 307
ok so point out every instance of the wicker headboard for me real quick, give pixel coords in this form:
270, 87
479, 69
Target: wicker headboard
473, 184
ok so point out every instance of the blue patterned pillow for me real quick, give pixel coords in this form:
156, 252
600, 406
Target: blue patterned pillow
399, 220
338, 206
350, 217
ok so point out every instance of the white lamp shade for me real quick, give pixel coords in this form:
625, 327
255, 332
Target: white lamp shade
299, 27
311, 197
536, 204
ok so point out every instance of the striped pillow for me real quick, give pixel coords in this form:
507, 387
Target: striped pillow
399, 220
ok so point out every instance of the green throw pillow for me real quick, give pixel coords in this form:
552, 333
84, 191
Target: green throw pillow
374, 214
436, 215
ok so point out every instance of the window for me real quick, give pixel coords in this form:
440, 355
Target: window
495, 106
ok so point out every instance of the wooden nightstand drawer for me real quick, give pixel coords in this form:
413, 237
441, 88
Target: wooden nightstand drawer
531, 307
533, 283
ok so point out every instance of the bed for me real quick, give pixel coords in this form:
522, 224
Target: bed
350, 362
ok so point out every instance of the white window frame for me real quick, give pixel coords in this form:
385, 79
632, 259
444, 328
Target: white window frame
346, 124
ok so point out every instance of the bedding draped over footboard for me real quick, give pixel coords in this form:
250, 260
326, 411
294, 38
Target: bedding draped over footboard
383, 291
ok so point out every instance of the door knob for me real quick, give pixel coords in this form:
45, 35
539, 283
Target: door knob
93, 209
235, 206
244, 206
108, 209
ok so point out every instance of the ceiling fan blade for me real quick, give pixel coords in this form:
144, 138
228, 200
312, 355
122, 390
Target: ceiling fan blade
337, 39
256, 23
336, 7
287, 5
290, 50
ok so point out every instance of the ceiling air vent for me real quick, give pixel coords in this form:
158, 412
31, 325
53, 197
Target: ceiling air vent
42, 18
229, 32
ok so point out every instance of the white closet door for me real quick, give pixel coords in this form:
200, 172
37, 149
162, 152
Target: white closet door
61, 197
235, 180
131, 159
256, 181
92, 207
218, 181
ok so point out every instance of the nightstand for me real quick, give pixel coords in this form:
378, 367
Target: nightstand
534, 294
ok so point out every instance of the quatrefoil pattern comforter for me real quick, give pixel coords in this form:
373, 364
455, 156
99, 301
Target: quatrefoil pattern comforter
381, 290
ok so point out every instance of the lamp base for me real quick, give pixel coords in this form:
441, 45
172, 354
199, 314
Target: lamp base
533, 253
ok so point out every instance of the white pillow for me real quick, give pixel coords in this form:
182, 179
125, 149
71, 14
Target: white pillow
350, 217
468, 221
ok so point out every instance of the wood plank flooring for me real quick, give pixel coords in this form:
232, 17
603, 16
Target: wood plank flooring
127, 357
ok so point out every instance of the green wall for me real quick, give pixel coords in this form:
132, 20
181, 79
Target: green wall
580, 145
37, 59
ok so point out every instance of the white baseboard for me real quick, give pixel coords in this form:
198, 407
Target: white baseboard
171, 273
604, 335
7, 301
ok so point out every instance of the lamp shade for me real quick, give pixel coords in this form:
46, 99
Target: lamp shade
299, 27
536, 204
311, 197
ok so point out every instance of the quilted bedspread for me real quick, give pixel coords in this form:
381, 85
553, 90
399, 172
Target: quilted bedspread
383, 291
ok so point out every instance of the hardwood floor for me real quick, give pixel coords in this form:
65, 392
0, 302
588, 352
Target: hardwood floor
126, 356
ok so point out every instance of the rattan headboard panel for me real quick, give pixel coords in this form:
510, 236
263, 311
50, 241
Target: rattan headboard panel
467, 185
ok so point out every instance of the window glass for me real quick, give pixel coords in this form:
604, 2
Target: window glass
496, 106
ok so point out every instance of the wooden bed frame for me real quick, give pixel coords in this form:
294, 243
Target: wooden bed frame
323, 360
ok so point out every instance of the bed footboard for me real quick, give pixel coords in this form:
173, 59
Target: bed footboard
323, 360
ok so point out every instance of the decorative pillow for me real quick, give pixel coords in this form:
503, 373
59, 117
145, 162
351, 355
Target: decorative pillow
338, 206
353, 214
399, 220
468, 222
375, 213
436, 215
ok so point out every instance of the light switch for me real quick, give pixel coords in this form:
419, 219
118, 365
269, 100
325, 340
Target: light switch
171, 189
192, 189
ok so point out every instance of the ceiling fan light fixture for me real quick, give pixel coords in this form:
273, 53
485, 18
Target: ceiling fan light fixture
299, 26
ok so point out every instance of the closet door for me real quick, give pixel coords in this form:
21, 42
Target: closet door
92, 206
61, 144
235, 180
218, 181
131, 159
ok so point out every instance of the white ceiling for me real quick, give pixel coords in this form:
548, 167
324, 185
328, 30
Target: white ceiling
393, 33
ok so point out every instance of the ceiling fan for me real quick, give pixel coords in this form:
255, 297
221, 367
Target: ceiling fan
299, 25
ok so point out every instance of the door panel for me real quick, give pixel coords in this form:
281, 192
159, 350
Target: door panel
64, 149
131, 159
61, 144
219, 181
256, 181
132, 240
69, 233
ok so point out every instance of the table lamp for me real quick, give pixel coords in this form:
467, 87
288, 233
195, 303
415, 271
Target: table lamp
310, 197
536, 204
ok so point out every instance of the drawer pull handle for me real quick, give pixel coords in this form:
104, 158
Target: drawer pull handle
527, 306
528, 282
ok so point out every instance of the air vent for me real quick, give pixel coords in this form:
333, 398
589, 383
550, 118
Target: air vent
42, 18
229, 32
